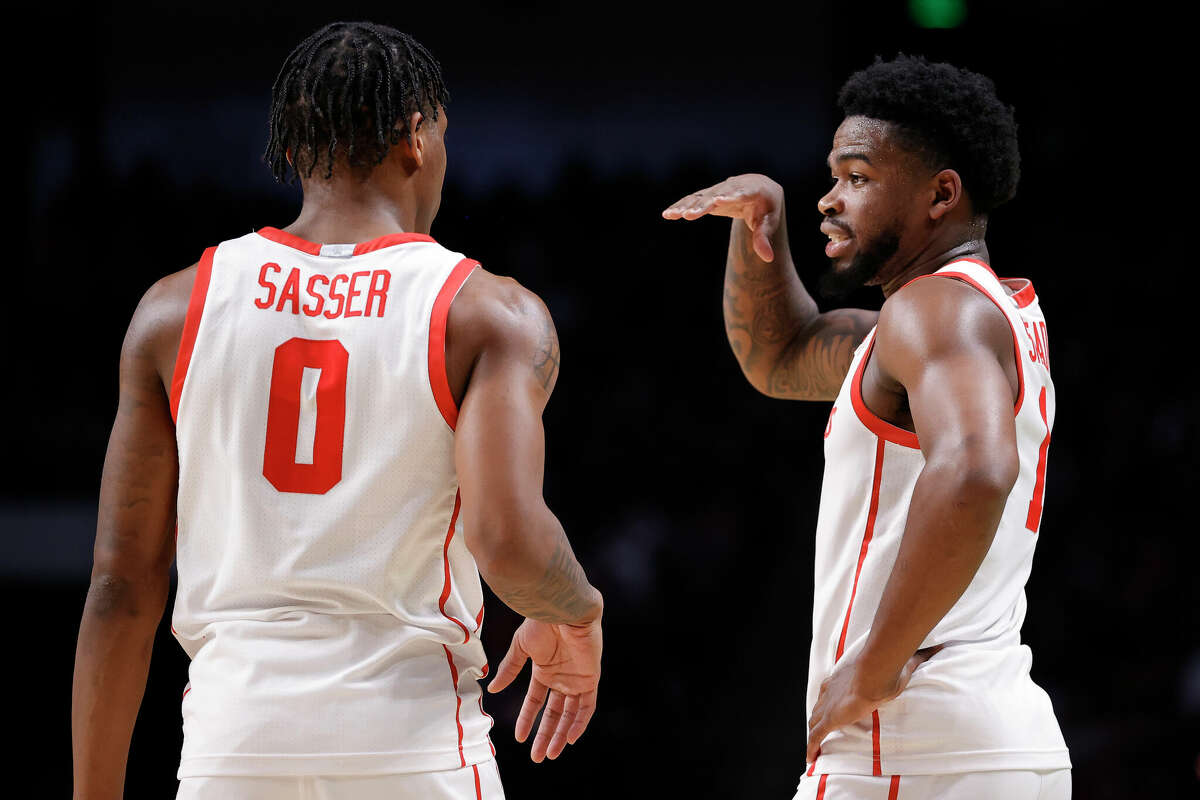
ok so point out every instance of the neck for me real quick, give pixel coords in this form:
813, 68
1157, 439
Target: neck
938, 253
344, 209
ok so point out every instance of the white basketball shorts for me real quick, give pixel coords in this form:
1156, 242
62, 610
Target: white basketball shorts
477, 782
1008, 785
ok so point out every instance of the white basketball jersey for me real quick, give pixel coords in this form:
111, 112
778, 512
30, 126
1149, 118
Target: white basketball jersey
972, 706
326, 597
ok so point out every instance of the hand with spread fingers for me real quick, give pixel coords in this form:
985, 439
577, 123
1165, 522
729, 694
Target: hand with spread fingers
566, 674
755, 199
850, 694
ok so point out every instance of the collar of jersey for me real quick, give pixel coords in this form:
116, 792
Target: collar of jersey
313, 249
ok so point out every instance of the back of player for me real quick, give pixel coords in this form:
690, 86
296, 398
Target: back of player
326, 596
349, 437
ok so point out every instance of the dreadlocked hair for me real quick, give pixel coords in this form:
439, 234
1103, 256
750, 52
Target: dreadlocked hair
348, 92
948, 116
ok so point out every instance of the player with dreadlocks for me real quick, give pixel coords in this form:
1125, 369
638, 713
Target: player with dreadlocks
343, 418
935, 448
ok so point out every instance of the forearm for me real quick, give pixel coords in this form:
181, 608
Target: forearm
112, 659
951, 523
535, 572
766, 306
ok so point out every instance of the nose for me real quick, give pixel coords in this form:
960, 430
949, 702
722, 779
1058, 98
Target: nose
831, 203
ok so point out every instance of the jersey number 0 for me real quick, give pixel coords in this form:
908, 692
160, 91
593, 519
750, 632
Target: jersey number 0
306, 416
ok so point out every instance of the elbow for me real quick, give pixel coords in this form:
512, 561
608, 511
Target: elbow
498, 538
758, 381
763, 377
113, 595
982, 475
988, 485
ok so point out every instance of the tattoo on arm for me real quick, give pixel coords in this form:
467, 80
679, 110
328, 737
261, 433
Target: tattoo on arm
547, 357
761, 305
814, 366
786, 347
563, 593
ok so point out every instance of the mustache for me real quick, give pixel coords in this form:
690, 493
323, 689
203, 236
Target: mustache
837, 223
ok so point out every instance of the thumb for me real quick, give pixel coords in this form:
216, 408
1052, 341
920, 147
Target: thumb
814, 742
509, 667
764, 228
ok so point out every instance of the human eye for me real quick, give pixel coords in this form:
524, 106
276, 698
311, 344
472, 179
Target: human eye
857, 179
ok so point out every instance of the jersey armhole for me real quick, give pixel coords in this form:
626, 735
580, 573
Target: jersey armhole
191, 325
967, 279
439, 382
876, 424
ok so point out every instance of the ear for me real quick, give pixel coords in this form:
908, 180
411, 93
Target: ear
947, 193
416, 137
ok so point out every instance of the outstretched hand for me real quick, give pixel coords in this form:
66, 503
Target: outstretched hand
566, 674
755, 199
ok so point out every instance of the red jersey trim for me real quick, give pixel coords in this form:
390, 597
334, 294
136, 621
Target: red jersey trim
821, 786
1033, 520
314, 249
1023, 296
457, 705
288, 240
390, 240
868, 532
877, 425
438, 381
876, 763
191, 324
478, 791
446, 569
965, 278
894, 789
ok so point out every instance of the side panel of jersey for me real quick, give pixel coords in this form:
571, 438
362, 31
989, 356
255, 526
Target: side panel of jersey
973, 705
326, 596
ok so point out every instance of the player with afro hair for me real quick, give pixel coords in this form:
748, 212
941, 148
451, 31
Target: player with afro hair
935, 447
950, 116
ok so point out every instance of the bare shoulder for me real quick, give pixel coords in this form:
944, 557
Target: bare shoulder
939, 316
496, 315
157, 324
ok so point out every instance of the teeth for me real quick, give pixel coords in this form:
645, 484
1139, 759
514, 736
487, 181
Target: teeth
837, 237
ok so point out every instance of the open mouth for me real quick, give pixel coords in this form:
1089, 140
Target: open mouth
839, 241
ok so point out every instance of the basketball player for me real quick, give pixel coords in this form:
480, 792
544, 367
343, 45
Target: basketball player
344, 417
935, 449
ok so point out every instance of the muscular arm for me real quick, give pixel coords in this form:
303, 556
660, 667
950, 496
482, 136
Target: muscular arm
786, 347
951, 350
499, 443
133, 553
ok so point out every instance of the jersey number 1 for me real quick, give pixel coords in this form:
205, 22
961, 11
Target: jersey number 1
306, 416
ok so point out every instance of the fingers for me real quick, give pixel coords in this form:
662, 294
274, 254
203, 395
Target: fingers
583, 715
534, 698
819, 730
558, 741
547, 729
693, 206
509, 667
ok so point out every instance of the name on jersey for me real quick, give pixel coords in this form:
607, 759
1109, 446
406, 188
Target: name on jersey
1039, 343
330, 295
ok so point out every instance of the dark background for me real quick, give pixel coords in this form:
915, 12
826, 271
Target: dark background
690, 498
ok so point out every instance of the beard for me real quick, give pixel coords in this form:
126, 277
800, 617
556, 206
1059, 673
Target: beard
863, 268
